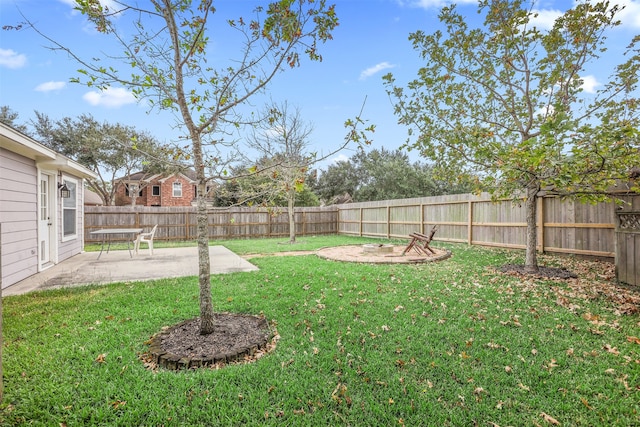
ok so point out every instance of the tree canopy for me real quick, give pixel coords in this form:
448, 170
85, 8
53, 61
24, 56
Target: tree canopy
110, 150
382, 175
10, 118
506, 101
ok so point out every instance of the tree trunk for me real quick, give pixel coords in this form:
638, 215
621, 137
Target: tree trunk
204, 270
207, 325
292, 218
531, 208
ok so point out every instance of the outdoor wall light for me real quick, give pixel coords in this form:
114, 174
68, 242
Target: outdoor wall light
65, 193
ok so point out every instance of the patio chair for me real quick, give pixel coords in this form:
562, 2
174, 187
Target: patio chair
420, 242
147, 238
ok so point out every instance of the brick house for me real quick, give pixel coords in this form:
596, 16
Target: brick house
176, 189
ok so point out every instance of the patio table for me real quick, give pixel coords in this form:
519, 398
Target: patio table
107, 233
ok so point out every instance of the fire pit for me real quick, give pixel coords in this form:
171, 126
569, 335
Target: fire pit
377, 249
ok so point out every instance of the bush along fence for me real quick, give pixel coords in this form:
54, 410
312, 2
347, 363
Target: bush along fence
602, 230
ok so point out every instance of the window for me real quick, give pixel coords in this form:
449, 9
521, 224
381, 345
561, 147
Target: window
155, 190
70, 210
177, 189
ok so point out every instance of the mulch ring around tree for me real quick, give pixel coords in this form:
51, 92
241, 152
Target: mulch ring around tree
237, 338
542, 272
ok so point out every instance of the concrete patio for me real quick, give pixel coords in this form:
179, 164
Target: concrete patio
118, 266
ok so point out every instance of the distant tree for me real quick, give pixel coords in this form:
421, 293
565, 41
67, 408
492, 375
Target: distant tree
281, 140
506, 102
382, 175
110, 150
339, 178
246, 187
167, 63
10, 118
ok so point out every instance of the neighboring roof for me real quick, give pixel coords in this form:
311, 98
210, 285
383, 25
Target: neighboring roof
91, 198
17, 142
182, 174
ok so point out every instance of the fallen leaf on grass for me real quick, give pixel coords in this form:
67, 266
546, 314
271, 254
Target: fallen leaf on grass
624, 382
117, 404
552, 364
635, 340
612, 350
549, 419
101, 358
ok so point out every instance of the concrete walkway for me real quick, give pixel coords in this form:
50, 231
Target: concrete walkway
118, 266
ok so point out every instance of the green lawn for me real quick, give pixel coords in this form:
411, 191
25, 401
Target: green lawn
452, 343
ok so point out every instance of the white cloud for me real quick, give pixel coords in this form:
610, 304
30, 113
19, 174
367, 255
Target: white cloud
110, 97
546, 111
545, 19
630, 15
589, 84
375, 69
109, 4
339, 158
12, 59
50, 86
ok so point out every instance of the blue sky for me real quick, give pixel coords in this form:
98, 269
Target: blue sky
371, 40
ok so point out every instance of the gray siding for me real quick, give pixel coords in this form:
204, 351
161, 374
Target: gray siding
69, 248
18, 215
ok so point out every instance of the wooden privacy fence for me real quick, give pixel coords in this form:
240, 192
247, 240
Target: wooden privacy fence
563, 226
628, 241
179, 223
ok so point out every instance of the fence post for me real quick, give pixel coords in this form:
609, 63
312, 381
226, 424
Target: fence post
304, 223
187, 224
470, 223
540, 224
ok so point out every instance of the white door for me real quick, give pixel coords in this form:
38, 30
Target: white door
45, 221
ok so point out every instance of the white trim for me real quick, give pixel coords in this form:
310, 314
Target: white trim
173, 189
53, 218
78, 208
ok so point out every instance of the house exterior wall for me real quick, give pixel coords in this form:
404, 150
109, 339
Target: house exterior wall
18, 215
166, 193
